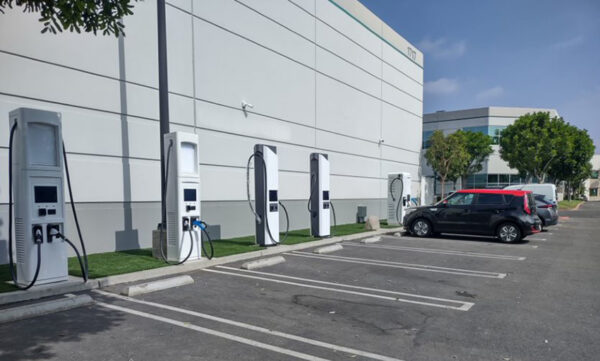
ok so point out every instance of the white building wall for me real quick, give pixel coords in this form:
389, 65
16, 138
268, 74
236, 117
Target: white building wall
319, 79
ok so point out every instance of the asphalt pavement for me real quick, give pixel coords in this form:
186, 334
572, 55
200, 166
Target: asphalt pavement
402, 298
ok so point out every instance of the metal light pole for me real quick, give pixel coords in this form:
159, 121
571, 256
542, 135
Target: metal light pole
163, 99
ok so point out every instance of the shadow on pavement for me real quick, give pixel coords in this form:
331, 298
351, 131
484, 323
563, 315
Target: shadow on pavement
38, 338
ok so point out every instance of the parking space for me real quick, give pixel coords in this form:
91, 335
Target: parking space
403, 298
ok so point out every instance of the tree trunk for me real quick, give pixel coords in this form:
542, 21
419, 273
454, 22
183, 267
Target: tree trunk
443, 180
569, 189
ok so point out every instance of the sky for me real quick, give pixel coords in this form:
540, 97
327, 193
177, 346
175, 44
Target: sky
523, 53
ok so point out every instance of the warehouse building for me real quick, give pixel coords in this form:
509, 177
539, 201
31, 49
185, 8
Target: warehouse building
489, 120
321, 76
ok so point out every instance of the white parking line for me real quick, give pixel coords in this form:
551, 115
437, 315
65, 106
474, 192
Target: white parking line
411, 266
208, 331
333, 347
537, 239
464, 306
439, 251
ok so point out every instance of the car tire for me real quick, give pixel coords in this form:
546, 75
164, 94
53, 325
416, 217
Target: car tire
421, 227
509, 233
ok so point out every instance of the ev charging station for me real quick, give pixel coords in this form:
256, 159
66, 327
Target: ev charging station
184, 240
266, 189
319, 202
399, 185
39, 219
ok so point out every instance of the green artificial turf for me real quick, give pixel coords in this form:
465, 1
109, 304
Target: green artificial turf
567, 205
4, 277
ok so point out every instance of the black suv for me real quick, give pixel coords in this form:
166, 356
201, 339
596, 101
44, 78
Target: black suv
509, 215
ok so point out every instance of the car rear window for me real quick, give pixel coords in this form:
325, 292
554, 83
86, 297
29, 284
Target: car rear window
490, 198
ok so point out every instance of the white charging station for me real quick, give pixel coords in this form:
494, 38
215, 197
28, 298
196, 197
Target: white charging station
266, 189
319, 202
399, 185
182, 196
37, 168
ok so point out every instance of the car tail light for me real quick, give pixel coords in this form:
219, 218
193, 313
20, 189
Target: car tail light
546, 206
526, 205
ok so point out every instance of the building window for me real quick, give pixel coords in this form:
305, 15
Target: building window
595, 174
492, 179
426, 135
593, 192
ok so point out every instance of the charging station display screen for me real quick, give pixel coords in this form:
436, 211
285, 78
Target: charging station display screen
325, 195
189, 195
272, 196
45, 194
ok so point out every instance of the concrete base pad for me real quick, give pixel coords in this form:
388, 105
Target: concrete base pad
328, 249
157, 285
371, 240
43, 308
263, 262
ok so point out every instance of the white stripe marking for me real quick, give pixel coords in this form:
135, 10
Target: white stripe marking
537, 239
439, 251
333, 347
411, 266
208, 331
465, 306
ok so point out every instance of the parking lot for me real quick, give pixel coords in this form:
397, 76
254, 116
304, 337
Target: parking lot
402, 298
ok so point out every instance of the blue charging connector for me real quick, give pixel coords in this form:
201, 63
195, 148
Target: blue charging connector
200, 224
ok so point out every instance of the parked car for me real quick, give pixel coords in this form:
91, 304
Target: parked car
548, 190
509, 215
547, 211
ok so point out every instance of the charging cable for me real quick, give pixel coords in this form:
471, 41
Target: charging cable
202, 225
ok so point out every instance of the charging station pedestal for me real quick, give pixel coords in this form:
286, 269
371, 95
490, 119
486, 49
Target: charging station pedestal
38, 195
399, 185
182, 196
320, 213
266, 186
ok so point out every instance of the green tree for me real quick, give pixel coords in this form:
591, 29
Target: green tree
76, 15
479, 147
447, 156
531, 144
575, 152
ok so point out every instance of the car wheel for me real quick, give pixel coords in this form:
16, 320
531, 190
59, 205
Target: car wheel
421, 228
509, 233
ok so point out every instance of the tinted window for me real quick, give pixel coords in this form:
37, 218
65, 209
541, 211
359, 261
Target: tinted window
490, 199
461, 199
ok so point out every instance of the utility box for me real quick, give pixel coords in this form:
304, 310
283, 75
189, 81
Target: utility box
37, 168
182, 196
320, 212
361, 214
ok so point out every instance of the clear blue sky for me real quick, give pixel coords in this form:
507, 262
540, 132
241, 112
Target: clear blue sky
525, 53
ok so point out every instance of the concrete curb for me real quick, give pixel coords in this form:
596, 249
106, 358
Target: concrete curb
159, 285
577, 206
44, 308
263, 262
371, 240
328, 249
75, 284
204, 263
